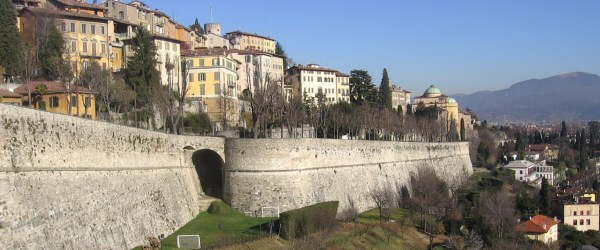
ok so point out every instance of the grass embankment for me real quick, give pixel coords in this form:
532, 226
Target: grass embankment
369, 233
236, 228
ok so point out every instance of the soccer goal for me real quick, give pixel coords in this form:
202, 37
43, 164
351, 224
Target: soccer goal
269, 212
188, 241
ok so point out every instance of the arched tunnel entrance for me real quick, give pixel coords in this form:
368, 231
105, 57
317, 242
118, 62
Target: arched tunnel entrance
209, 167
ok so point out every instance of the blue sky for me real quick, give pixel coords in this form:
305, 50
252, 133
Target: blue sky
460, 46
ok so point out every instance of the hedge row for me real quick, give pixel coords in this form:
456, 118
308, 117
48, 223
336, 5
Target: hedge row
302, 221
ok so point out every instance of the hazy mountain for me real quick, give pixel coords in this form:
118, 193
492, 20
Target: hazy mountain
570, 96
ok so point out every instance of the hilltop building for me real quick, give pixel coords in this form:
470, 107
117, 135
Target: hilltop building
257, 69
214, 39
531, 173
85, 27
212, 79
166, 34
400, 97
312, 79
58, 98
10, 97
581, 212
433, 97
251, 41
540, 228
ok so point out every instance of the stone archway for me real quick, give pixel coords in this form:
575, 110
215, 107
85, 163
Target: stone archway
209, 167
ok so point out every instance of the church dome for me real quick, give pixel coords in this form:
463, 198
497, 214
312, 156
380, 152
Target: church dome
432, 91
451, 100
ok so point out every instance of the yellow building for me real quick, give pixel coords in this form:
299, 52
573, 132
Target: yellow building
212, 78
79, 101
540, 228
434, 97
10, 97
342, 87
84, 28
250, 41
582, 213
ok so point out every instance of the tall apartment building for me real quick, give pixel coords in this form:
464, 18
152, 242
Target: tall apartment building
86, 29
251, 41
165, 34
582, 213
312, 79
212, 78
257, 69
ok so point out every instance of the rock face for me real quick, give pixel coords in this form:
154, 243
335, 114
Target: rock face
70, 183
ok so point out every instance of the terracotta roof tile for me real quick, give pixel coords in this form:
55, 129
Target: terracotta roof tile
537, 224
52, 88
80, 4
8, 94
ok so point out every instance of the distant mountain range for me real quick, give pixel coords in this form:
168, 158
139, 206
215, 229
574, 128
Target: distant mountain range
571, 96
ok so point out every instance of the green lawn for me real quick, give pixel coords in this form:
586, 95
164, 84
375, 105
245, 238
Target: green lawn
372, 216
237, 227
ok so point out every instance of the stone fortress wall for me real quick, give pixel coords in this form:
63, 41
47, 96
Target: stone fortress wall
293, 173
71, 183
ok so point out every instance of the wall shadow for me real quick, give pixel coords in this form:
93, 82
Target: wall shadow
209, 166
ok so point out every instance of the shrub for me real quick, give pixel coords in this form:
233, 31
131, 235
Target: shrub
302, 221
220, 207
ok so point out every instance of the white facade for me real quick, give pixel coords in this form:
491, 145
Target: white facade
313, 79
542, 171
532, 173
257, 69
216, 41
168, 52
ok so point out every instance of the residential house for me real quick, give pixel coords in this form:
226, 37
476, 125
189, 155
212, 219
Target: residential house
400, 97
257, 69
581, 212
86, 30
547, 151
212, 78
58, 98
251, 41
313, 79
342, 87
165, 33
531, 173
10, 97
540, 228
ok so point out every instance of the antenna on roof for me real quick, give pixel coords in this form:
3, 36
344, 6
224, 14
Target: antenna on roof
211, 15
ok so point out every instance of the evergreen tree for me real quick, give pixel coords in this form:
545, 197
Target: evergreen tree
409, 110
281, 52
582, 150
462, 129
141, 73
50, 54
545, 198
385, 91
399, 110
563, 130
361, 87
197, 27
10, 41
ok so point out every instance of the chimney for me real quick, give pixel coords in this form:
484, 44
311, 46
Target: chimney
555, 219
544, 226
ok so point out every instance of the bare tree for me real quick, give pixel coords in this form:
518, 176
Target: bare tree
383, 199
498, 211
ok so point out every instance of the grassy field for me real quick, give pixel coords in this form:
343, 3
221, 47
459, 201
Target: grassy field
368, 233
236, 228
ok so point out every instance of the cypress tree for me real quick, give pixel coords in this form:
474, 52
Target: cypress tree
281, 52
462, 129
545, 201
141, 73
582, 150
50, 54
10, 40
385, 91
563, 130
197, 27
409, 110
